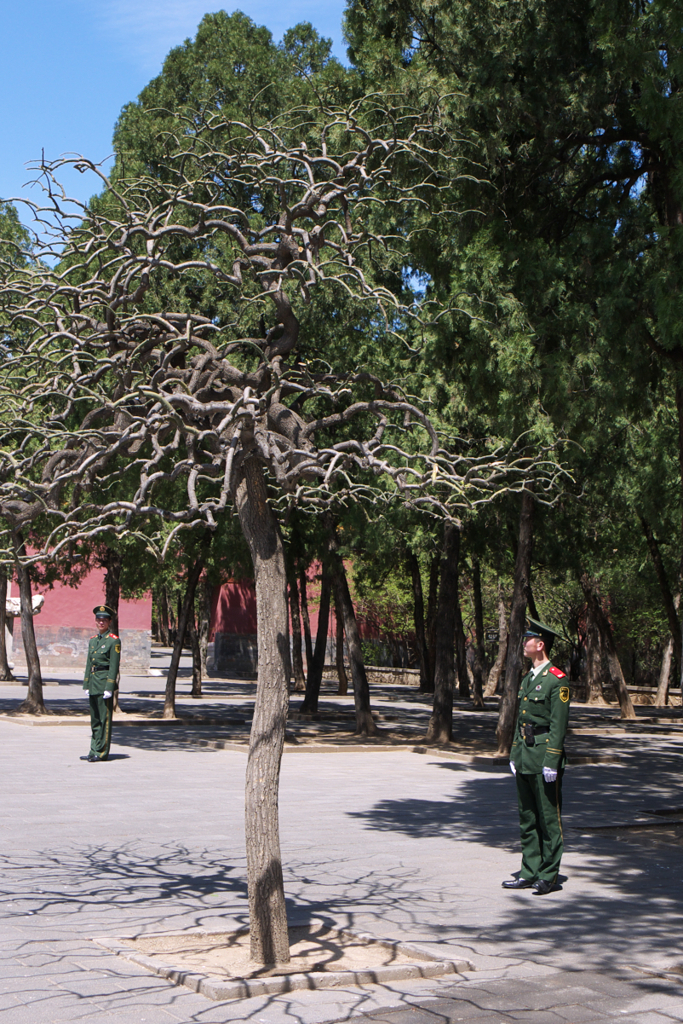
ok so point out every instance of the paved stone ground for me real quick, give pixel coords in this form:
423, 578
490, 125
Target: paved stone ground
407, 846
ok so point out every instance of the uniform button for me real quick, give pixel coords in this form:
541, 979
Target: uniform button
526, 698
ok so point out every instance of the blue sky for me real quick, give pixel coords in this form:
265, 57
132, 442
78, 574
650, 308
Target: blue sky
70, 65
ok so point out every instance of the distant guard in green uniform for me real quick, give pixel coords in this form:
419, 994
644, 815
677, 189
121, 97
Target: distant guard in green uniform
101, 673
537, 761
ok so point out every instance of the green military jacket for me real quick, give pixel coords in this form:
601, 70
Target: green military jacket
102, 665
543, 703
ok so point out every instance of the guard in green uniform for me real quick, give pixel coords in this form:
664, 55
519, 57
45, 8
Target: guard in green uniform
537, 760
101, 673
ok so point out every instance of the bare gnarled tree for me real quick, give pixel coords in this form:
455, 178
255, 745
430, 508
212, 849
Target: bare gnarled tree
126, 408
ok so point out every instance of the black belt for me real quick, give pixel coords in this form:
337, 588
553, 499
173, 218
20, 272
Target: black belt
529, 732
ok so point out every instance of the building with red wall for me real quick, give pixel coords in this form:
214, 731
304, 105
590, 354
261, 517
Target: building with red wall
66, 622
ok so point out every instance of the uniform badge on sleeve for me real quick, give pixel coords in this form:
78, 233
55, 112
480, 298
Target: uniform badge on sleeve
564, 693
117, 648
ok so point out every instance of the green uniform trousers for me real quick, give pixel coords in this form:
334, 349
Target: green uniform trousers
101, 710
540, 825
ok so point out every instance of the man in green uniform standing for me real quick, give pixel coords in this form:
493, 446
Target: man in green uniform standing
101, 673
537, 761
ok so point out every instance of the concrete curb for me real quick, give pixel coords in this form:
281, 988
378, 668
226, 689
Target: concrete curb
448, 755
130, 720
219, 989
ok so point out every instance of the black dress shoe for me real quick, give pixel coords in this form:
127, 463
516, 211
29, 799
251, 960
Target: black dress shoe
84, 757
518, 883
543, 886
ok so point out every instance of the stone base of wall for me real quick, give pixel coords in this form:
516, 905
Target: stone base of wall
67, 647
379, 675
234, 655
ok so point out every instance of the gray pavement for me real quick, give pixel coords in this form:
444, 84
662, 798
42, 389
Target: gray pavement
403, 845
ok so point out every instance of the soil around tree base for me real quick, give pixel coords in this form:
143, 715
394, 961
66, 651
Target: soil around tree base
217, 964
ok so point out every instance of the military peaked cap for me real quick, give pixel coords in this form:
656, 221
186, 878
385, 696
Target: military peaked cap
541, 632
103, 611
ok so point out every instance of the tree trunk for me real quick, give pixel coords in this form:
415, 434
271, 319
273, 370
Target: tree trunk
112, 585
305, 618
460, 640
196, 690
615, 671
609, 649
164, 631
531, 603
479, 666
186, 611
432, 608
317, 664
594, 672
679, 408
34, 703
112, 595
205, 595
513, 669
426, 685
267, 910
665, 590
5, 673
339, 653
497, 667
365, 723
662, 698
440, 728
297, 656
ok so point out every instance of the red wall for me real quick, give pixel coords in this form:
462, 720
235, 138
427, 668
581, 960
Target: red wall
234, 608
73, 606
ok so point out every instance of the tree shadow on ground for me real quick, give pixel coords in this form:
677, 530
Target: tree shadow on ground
623, 896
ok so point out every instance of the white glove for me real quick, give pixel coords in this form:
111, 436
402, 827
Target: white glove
549, 774
107, 693
512, 768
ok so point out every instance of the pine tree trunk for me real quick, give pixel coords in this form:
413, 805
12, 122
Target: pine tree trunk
186, 611
662, 698
609, 649
497, 667
267, 911
479, 667
297, 656
164, 631
5, 672
112, 595
426, 685
594, 672
34, 703
206, 593
339, 654
432, 608
196, 691
460, 640
440, 728
671, 607
317, 664
513, 670
305, 617
365, 723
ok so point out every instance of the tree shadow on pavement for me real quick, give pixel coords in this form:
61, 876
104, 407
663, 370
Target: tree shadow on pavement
623, 900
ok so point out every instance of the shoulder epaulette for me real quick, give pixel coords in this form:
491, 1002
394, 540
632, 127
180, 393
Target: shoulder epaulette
113, 636
557, 672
